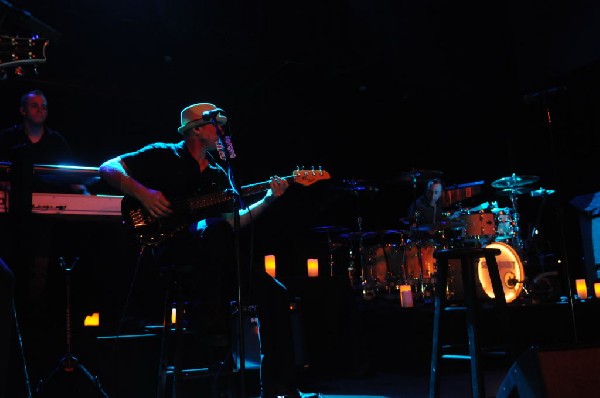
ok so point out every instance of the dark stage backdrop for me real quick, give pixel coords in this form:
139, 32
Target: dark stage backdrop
367, 90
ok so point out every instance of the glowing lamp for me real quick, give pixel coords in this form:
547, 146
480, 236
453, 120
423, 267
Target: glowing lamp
270, 264
313, 267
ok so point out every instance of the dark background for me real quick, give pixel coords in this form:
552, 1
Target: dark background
367, 90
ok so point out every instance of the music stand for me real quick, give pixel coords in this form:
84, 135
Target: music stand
69, 363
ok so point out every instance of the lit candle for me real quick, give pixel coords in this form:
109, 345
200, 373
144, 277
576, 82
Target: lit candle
597, 289
92, 320
313, 267
270, 264
173, 315
581, 289
406, 298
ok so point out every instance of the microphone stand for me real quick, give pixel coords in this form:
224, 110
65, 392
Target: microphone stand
226, 153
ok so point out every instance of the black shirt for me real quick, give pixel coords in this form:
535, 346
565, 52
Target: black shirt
170, 168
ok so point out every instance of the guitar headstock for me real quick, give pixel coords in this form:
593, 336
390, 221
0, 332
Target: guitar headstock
307, 177
16, 52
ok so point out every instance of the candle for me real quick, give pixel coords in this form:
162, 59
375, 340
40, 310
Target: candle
597, 289
406, 298
313, 267
92, 320
581, 288
270, 264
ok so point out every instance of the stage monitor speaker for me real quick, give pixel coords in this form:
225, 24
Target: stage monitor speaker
553, 373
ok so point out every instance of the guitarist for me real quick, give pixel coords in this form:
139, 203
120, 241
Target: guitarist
153, 179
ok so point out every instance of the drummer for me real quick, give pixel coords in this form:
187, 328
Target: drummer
427, 209
426, 215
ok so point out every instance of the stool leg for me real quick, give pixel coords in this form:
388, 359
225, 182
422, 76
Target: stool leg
179, 344
164, 342
468, 265
439, 303
494, 273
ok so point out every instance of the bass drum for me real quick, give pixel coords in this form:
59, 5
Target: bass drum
511, 270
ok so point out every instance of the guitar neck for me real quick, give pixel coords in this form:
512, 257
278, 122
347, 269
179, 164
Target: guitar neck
251, 189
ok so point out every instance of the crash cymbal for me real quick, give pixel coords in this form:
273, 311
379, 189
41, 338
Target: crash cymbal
514, 181
513, 191
357, 235
416, 175
330, 229
354, 185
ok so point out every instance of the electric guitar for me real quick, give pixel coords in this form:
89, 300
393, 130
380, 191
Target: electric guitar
16, 52
150, 231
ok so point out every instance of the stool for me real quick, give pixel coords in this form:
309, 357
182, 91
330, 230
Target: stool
469, 258
173, 351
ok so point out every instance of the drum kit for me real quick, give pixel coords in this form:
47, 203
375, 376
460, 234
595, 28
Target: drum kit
378, 262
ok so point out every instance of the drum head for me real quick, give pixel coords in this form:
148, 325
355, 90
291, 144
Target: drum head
511, 270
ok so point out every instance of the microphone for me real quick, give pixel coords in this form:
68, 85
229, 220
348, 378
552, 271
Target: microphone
212, 114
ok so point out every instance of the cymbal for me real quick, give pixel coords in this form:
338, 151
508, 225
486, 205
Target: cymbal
513, 191
405, 220
503, 210
514, 181
416, 175
442, 225
388, 232
330, 229
354, 185
357, 235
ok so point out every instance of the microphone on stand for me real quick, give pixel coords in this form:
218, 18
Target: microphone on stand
216, 114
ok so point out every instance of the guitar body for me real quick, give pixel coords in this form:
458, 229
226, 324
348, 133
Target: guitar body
151, 231
148, 230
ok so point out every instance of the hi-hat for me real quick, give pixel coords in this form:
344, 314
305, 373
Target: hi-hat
513, 191
416, 175
514, 181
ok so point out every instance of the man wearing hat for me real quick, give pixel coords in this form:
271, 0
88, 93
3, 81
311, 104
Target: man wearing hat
153, 178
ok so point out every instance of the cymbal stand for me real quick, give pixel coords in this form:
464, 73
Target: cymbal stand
517, 241
69, 362
331, 251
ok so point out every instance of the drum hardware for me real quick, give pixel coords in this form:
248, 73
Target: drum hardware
331, 246
357, 277
512, 187
513, 191
416, 175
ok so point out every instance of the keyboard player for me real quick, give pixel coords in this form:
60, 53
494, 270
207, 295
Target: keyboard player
27, 246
